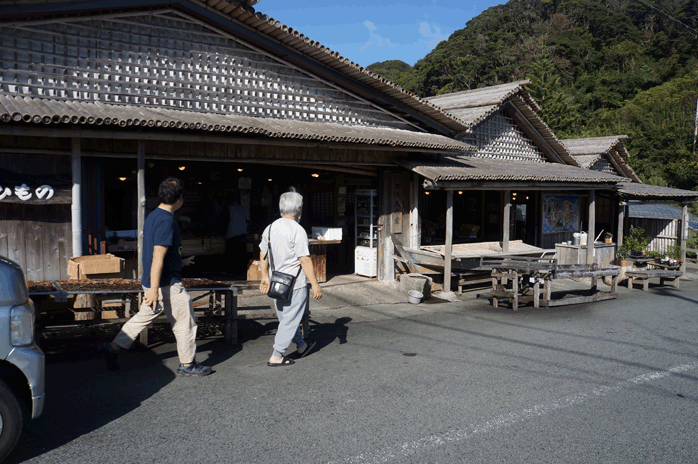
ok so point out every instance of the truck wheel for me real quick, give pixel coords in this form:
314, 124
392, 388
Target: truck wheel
11, 420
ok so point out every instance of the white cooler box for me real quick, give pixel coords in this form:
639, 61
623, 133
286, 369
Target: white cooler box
365, 263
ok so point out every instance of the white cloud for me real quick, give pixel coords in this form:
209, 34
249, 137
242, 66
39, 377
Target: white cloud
433, 37
379, 40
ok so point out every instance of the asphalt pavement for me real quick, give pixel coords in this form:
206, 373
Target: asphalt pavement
439, 382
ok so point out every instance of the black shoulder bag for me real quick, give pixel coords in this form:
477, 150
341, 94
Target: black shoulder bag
281, 283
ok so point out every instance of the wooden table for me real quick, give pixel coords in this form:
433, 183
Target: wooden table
222, 304
318, 254
527, 275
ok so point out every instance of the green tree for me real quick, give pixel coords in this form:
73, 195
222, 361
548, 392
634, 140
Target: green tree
557, 107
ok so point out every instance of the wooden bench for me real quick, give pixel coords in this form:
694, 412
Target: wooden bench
644, 277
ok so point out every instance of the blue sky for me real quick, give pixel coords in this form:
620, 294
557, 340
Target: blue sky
377, 30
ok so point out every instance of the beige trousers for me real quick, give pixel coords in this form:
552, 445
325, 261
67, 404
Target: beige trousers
178, 308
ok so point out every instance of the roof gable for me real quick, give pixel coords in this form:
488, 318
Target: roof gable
240, 19
168, 60
499, 137
607, 154
478, 107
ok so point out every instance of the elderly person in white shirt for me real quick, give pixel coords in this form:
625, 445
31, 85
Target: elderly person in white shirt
289, 249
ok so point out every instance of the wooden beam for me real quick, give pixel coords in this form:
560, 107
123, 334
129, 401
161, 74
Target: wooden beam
591, 233
404, 256
507, 221
141, 204
76, 208
448, 249
513, 185
621, 223
415, 237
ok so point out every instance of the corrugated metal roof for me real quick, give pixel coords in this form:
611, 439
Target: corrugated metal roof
474, 106
451, 168
45, 111
645, 191
243, 12
658, 211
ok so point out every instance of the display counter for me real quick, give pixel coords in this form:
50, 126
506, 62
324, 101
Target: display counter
604, 254
318, 254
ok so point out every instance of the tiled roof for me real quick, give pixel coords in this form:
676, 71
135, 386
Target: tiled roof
55, 112
649, 192
592, 145
586, 161
588, 150
451, 168
472, 106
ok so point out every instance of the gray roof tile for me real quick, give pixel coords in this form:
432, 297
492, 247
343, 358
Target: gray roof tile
35, 110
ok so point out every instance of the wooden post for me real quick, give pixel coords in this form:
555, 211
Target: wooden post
591, 233
621, 222
141, 204
76, 207
449, 241
415, 238
507, 221
684, 236
386, 265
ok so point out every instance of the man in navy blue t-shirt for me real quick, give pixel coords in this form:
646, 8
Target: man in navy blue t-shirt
162, 283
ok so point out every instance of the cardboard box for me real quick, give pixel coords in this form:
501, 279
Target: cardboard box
96, 267
254, 271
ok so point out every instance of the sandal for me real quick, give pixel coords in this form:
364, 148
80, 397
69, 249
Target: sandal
284, 362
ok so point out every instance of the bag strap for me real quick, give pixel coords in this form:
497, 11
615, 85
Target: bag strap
271, 256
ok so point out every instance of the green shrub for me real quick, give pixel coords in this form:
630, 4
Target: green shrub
634, 242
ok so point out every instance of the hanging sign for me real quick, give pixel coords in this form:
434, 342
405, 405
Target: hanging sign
31, 189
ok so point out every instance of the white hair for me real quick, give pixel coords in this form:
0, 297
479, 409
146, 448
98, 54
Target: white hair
291, 202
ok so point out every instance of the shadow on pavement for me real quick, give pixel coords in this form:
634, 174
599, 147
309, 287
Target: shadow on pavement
82, 396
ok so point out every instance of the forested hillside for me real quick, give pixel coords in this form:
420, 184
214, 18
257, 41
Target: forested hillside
597, 68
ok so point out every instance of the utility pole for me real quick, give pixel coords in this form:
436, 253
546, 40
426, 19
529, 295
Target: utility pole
695, 132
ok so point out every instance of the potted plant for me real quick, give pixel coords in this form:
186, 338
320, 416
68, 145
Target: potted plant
607, 237
623, 253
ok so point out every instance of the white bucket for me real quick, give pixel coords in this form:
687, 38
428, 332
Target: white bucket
414, 297
583, 238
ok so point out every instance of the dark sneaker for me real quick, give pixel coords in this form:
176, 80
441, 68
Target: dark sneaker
110, 355
194, 369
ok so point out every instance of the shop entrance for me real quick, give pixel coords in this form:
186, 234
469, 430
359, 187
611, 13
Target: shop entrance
227, 207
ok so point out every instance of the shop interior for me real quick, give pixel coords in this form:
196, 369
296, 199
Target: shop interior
477, 216
249, 194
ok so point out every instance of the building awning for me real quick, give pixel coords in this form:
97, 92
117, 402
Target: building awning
96, 115
452, 172
635, 191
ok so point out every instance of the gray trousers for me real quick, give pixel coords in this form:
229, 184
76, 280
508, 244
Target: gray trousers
290, 314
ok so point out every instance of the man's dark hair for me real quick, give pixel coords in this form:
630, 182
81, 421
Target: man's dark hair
171, 189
